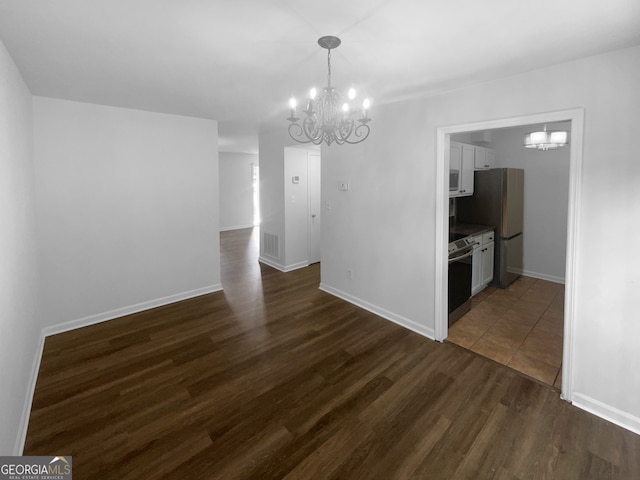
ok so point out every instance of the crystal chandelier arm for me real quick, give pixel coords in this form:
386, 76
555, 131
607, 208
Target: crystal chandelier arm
296, 132
344, 130
311, 130
361, 132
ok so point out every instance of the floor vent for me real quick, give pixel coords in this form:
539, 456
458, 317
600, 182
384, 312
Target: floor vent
271, 245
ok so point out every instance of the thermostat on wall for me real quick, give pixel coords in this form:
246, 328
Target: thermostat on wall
295, 179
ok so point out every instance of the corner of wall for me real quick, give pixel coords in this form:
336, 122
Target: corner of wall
28, 401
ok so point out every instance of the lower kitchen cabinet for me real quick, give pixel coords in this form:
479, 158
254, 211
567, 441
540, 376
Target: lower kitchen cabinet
482, 262
487, 263
476, 269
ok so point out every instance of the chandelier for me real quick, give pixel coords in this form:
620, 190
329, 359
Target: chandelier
327, 118
546, 140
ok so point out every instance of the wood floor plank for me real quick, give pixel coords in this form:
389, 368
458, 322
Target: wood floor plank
273, 378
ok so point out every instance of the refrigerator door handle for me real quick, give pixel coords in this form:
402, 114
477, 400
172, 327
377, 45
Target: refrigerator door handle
511, 237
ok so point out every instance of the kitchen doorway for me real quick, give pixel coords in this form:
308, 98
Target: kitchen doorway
576, 117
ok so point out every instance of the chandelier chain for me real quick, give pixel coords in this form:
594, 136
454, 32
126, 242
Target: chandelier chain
329, 67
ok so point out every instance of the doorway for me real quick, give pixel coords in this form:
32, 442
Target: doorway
576, 117
255, 184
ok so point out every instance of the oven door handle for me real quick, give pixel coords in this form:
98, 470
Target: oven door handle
455, 259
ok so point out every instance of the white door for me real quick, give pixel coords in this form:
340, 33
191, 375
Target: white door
314, 207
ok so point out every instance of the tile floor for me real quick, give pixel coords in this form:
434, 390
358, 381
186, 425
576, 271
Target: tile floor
520, 326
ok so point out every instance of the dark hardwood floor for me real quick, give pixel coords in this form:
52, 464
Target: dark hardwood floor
274, 379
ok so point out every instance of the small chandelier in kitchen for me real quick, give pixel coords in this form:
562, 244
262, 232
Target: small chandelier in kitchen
546, 140
327, 118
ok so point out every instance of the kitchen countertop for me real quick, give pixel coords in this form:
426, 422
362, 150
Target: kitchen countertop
470, 228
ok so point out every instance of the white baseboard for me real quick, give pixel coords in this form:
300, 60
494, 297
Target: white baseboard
271, 263
236, 227
607, 412
543, 276
121, 312
283, 268
386, 314
296, 266
84, 322
18, 448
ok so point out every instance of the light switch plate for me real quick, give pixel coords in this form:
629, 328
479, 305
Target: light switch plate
343, 186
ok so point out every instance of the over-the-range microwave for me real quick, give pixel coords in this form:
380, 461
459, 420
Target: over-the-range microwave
454, 180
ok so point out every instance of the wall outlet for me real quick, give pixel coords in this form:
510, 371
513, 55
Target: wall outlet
349, 274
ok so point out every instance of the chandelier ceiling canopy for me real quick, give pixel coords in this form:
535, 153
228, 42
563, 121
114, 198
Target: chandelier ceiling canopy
546, 139
327, 117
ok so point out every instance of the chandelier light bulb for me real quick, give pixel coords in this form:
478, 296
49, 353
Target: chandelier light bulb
345, 107
559, 137
366, 104
352, 93
312, 93
292, 105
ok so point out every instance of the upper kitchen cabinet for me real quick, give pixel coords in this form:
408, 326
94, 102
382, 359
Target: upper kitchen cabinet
485, 158
461, 159
455, 156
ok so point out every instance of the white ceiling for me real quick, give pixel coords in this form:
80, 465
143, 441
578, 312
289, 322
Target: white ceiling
239, 61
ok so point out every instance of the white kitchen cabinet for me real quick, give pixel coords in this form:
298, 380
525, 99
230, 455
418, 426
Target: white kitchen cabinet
466, 159
482, 262
455, 155
487, 263
461, 159
466, 170
480, 159
455, 161
491, 158
476, 266
485, 158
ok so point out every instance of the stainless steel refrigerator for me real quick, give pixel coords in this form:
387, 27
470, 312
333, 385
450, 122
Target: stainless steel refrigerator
498, 199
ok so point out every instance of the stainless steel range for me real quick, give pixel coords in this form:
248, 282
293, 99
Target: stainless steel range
459, 243
460, 269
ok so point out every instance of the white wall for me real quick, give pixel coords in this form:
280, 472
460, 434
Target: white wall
296, 163
296, 207
127, 209
271, 144
284, 205
384, 228
546, 197
236, 190
19, 325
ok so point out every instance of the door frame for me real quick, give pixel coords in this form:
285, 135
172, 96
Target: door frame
309, 213
576, 117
